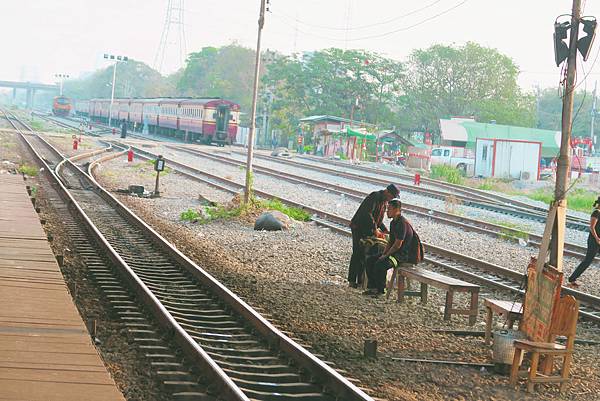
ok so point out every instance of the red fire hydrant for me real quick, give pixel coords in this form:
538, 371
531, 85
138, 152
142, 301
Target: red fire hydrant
130, 155
75, 144
417, 179
114, 131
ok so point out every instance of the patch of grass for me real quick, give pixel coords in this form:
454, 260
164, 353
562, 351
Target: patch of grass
28, 170
293, 212
577, 199
486, 185
37, 125
151, 162
447, 173
190, 215
512, 229
33, 191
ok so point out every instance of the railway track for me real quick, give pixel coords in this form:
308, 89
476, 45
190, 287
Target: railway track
456, 264
464, 223
473, 200
240, 353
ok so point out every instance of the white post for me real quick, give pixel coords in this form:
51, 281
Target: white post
61, 87
112, 94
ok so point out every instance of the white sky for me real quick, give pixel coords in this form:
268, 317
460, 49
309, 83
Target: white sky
43, 37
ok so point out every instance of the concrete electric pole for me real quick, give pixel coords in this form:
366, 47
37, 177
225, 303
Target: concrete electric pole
248, 186
564, 159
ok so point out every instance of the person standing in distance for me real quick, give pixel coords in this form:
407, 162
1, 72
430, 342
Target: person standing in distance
593, 246
368, 221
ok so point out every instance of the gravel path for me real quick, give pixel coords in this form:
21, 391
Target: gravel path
490, 249
298, 277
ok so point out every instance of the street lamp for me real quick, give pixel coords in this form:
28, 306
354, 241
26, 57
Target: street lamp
116, 59
61, 78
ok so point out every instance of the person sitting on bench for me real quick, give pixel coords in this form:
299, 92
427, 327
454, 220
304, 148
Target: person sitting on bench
404, 246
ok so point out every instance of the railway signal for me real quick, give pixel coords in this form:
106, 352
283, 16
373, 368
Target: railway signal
159, 165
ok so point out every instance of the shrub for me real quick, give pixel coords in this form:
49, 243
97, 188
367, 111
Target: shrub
190, 215
293, 212
28, 170
447, 173
486, 185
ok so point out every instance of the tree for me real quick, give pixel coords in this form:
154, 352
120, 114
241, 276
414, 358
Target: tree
134, 79
549, 112
469, 80
354, 84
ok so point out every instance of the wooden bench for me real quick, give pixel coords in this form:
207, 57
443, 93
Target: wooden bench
511, 311
427, 278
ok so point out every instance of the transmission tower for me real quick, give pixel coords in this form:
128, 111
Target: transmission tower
173, 34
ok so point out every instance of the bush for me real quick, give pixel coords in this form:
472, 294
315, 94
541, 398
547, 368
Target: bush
486, 185
28, 170
190, 215
293, 212
447, 173
577, 199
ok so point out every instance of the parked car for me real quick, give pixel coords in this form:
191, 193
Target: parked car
447, 156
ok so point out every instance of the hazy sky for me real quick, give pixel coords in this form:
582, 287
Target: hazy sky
45, 37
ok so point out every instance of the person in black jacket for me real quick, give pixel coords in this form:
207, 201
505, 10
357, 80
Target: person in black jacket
593, 246
367, 221
403, 247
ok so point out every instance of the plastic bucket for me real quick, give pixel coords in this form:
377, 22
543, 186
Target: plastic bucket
503, 351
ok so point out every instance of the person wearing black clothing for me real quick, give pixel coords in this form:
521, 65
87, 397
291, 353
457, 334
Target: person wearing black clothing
593, 245
400, 244
124, 129
367, 221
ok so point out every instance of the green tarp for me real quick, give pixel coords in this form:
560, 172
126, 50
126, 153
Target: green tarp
360, 135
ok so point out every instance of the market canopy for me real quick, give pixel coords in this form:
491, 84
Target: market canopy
360, 135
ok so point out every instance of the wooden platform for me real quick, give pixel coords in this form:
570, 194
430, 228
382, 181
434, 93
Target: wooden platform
45, 350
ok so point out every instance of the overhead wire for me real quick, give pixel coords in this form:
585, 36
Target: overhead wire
356, 28
375, 36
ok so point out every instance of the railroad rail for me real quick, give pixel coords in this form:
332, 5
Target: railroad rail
457, 264
529, 212
465, 223
239, 351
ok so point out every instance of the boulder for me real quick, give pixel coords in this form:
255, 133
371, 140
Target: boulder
273, 220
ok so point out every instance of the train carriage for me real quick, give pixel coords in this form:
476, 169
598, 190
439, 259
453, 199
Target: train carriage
82, 108
123, 110
220, 122
150, 113
168, 115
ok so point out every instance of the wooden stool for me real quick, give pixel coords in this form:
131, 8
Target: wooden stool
512, 311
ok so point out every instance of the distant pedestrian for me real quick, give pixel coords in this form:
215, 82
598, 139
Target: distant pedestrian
124, 129
367, 222
404, 247
593, 245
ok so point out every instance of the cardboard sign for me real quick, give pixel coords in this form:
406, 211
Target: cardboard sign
543, 292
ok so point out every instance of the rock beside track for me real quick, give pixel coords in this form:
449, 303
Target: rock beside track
273, 220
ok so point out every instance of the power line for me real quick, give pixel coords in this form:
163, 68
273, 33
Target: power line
381, 35
331, 28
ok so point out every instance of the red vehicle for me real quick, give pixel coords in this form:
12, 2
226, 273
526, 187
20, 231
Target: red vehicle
61, 106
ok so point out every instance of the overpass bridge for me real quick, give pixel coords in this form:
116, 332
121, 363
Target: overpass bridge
30, 87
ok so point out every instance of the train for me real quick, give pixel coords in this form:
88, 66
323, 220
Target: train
204, 120
61, 106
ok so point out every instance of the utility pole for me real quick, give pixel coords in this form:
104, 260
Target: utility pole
117, 60
564, 159
61, 78
248, 186
592, 136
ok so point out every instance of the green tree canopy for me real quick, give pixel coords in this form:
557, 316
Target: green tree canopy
549, 112
470, 80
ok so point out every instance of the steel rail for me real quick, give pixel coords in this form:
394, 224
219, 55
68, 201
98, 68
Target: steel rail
329, 378
526, 213
227, 388
466, 223
463, 266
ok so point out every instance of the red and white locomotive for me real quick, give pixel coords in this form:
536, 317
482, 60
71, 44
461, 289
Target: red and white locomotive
193, 120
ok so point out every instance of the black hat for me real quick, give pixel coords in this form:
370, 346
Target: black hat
393, 189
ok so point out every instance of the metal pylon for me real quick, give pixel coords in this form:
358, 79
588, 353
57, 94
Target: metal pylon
174, 25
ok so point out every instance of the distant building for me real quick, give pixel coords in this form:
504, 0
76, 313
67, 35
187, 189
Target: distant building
464, 132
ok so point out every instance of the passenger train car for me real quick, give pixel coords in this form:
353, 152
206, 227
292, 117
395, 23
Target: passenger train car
193, 120
61, 106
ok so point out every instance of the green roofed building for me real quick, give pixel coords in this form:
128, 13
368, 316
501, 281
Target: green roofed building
463, 132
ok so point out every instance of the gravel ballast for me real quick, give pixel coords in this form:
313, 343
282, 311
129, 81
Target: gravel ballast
298, 276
